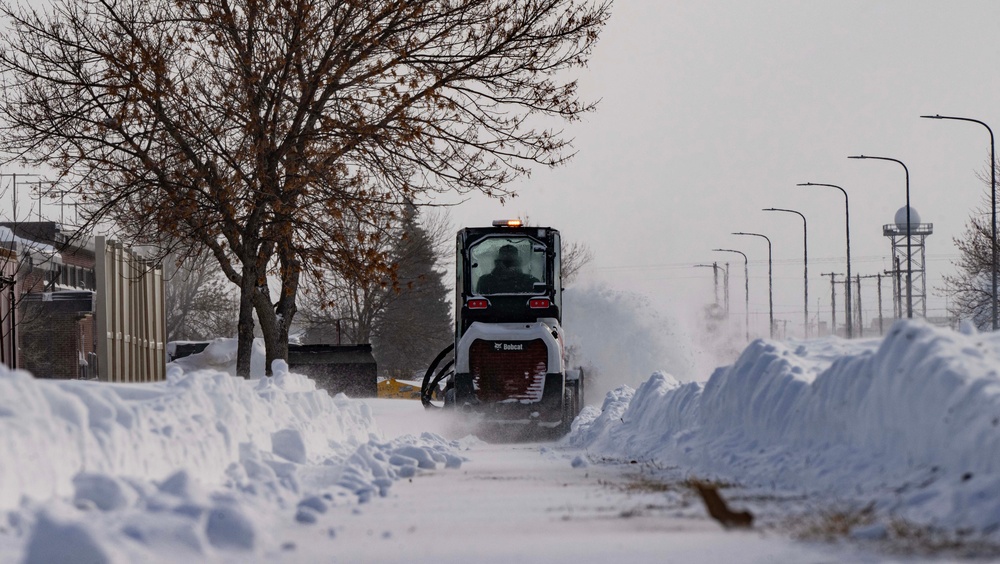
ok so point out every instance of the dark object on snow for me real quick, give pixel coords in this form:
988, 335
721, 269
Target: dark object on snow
719, 510
187, 349
350, 369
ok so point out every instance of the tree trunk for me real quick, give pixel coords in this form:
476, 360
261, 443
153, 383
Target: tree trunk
286, 310
274, 328
269, 327
276, 319
244, 336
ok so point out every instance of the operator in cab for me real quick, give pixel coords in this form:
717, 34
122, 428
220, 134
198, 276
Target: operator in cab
507, 276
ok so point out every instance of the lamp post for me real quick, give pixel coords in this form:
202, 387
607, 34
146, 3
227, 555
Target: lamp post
909, 252
847, 230
993, 202
746, 285
770, 280
805, 267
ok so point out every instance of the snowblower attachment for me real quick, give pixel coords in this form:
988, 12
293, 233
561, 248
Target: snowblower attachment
509, 365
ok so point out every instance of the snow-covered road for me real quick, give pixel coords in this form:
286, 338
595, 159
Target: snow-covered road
528, 503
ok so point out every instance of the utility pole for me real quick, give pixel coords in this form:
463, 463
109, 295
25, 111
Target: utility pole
897, 302
833, 300
715, 280
47, 193
861, 322
715, 277
13, 190
726, 278
878, 277
818, 334
881, 329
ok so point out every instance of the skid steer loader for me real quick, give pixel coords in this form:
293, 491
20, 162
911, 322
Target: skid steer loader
507, 367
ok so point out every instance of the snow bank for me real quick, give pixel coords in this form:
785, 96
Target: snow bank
50, 431
220, 354
202, 465
911, 421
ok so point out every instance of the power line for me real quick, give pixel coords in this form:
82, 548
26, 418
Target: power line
821, 260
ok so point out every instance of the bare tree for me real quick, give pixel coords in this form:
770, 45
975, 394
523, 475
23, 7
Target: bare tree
198, 305
970, 288
347, 295
269, 131
342, 306
575, 256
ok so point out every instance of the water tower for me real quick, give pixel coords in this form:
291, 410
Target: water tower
914, 285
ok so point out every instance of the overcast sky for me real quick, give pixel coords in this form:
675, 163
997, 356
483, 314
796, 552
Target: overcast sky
711, 111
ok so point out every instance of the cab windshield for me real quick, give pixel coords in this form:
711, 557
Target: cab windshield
507, 265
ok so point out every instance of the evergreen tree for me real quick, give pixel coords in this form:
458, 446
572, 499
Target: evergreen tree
415, 323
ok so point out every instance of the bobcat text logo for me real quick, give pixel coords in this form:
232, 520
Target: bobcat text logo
508, 346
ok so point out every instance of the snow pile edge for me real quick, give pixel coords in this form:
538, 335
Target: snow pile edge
51, 430
912, 420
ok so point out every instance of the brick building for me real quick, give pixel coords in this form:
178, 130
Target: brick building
47, 306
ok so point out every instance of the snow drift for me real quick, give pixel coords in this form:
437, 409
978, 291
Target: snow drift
911, 421
202, 465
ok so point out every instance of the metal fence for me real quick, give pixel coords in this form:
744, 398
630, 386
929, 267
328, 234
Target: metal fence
131, 327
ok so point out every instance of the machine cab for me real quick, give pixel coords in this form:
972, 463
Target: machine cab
507, 273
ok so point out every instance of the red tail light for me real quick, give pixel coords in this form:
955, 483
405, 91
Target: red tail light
538, 303
478, 303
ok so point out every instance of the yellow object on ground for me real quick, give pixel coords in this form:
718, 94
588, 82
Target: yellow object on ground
399, 389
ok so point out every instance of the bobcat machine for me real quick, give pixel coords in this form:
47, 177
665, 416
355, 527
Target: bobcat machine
507, 369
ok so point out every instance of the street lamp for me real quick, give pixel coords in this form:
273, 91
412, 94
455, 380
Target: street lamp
805, 262
746, 285
993, 200
770, 280
909, 253
847, 230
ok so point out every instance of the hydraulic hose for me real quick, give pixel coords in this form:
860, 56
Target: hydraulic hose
427, 386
